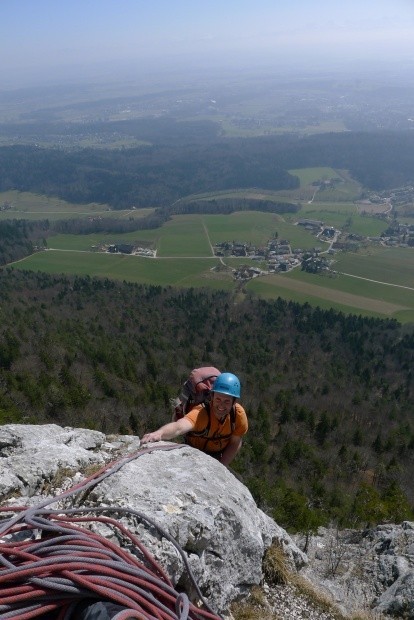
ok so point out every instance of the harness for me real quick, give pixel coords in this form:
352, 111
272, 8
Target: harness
206, 430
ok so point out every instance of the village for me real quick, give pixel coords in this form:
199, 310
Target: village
279, 255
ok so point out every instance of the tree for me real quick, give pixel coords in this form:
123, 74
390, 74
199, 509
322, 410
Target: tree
369, 508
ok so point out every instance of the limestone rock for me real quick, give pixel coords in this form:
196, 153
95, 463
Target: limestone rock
191, 496
32, 455
371, 569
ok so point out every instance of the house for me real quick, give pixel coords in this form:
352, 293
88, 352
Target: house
239, 250
312, 223
122, 248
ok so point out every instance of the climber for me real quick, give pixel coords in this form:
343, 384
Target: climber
216, 428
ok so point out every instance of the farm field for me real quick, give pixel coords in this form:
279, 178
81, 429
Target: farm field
343, 293
233, 131
386, 267
392, 265
307, 176
188, 235
345, 218
174, 272
184, 236
256, 228
184, 254
180, 237
405, 219
29, 206
401, 294
349, 294
347, 192
335, 207
38, 207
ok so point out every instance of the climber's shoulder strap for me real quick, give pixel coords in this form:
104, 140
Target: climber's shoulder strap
205, 432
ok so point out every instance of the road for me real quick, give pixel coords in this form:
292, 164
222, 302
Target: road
350, 275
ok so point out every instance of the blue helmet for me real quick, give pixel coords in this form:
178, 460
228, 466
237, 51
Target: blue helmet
227, 383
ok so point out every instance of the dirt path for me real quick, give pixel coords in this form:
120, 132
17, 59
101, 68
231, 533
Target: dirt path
351, 275
211, 245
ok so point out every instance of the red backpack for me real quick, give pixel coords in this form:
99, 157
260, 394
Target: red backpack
195, 391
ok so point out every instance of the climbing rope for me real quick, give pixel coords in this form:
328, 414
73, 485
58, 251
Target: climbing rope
49, 562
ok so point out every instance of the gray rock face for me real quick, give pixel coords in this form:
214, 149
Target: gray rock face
212, 516
191, 496
32, 455
207, 510
373, 569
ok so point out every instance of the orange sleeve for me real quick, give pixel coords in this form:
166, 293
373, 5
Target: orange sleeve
242, 423
198, 416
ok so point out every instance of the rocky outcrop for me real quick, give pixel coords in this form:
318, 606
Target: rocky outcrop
213, 518
372, 569
191, 496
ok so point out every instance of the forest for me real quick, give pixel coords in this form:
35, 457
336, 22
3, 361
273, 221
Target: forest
230, 205
20, 238
164, 171
329, 396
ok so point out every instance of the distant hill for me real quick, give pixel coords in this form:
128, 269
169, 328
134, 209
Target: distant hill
159, 174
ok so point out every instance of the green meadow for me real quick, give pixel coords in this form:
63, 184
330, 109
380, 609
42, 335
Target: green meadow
231, 130
392, 265
29, 206
345, 217
189, 235
377, 282
344, 187
344, 293
307, 176
174, 272
354, 284
38, 207
256, 228
364, 283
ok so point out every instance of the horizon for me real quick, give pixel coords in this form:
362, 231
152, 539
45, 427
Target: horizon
49, 43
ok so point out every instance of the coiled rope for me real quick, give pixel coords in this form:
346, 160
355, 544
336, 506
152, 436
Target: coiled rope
50, 563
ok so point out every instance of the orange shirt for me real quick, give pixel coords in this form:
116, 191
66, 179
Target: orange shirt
213, 442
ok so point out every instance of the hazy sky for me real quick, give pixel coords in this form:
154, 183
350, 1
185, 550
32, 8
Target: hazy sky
50, 36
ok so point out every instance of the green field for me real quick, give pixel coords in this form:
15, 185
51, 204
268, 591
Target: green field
404, 219
175, 271
184, 236
231, 130
256, 228
343, 293
344, 189
29, 206
309, 175
188, 235
184, 259
37, 207
184, 254
345, 218
354, 292
392, 265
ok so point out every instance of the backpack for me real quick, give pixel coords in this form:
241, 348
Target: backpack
195, 391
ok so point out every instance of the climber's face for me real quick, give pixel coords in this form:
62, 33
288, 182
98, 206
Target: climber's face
221, 405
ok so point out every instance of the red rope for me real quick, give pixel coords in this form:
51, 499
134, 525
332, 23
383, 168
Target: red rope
61, 563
